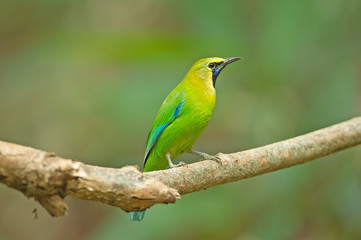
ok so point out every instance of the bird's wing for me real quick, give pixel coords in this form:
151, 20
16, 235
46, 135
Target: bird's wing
169, 111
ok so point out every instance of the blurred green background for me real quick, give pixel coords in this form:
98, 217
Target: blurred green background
85, 79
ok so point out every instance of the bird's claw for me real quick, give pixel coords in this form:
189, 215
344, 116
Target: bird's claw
213, 158
217, 159
180, 164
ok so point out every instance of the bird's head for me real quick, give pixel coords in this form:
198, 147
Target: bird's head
208, 69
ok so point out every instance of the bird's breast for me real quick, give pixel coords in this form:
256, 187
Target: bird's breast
200, 106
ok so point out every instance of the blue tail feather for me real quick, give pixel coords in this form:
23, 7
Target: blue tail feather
137, 216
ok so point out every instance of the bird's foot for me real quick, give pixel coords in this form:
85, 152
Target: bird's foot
180, 164
206, 156
172, 165
213, 158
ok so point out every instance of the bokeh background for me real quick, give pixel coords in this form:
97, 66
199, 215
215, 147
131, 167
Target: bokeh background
85, 79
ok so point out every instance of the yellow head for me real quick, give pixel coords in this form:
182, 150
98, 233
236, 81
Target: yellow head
207, 69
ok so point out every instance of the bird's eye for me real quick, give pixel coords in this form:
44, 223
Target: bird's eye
211, 65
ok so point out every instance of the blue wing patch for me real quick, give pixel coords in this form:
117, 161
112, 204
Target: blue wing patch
155, 134
177, 111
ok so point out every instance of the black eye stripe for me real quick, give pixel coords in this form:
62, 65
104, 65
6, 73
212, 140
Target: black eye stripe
212, 65
219, 63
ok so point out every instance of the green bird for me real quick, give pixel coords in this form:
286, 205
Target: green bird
182, 118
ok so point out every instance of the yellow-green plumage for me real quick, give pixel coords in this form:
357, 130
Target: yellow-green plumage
183, 116
198, 97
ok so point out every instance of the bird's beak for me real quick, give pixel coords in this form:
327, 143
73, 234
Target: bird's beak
230, 60
219, 69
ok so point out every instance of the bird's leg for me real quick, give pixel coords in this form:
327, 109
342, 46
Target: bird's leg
206, 156
171, 164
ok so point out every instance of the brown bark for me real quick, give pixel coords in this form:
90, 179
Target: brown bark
49, 178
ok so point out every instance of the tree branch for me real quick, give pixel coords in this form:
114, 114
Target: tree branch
49, 178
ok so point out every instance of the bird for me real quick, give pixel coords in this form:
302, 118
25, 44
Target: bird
182, 118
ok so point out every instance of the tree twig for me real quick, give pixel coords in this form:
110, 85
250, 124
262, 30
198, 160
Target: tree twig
49, 178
